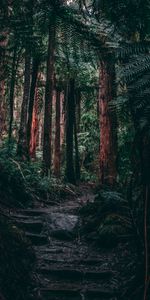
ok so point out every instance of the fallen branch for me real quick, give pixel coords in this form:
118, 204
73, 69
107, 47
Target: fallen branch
17, 164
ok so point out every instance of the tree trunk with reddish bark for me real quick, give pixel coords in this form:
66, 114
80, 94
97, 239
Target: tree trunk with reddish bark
32, 108
22, 147
47, 147
108, 124
34, 127
57, 153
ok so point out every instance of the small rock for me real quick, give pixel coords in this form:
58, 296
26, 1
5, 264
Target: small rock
62, 226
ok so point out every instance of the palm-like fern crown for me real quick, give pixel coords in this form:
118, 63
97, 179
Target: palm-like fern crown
131, 18
85, 32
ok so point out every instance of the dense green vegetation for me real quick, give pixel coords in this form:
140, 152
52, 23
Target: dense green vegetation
74, 108
16, 263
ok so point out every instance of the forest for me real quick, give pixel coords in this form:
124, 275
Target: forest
75, 150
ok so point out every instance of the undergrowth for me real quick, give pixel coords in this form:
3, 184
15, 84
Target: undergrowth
16, 262
115, 221
108, 219
25, 183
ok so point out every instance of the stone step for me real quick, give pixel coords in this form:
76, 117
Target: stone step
73, 255
60, 274
98, 294
32, 226
63, 235
76, 292
72, 264
56, 258
76, 274
73, 247
32, 212
61, 294
22, 217
37, 239
61, 245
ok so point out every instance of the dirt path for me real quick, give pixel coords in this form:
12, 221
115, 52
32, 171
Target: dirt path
67, 267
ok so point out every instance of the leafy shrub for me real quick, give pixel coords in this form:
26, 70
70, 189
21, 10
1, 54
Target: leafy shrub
13, 187
108, 219
22, 182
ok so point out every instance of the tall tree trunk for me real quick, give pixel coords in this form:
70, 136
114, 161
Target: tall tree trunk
2, 109
77, 159
34, 127
145, 164
76, 130
142, 143
41, 131
64, 115
12, 90
47, 147
3, 63
62, 119
31, 100
108, 124
70, 113
22, 149
78, 109
57, 137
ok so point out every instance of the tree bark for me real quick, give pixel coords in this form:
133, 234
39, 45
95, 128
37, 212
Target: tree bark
142, 143
2, 109
33, 91
57, 153
34, 127
12, 90
47, 147
108, 124
78, 109
145, 164
22, 148
3, 63
70, 112
62, 119
77, 159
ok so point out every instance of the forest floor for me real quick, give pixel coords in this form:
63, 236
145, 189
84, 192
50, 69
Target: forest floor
68, 265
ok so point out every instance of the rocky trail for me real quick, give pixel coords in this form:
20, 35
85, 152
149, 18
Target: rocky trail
67, 267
